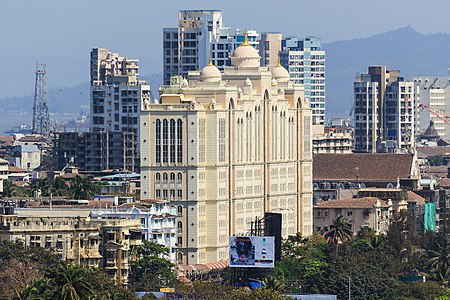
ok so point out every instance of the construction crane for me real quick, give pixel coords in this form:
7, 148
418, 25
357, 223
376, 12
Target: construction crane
439, 115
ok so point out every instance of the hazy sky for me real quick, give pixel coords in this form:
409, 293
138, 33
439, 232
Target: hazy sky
49, 30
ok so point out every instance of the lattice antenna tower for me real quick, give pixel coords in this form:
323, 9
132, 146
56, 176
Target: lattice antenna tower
41, 117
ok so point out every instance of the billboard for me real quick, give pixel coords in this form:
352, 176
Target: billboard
252, 251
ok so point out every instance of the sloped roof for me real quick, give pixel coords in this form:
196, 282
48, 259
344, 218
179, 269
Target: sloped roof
365, 166
444, 182
431, 131
432, 151
413, 197
365, 202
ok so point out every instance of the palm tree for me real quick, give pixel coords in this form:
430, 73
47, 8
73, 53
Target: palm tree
35, 291
82, 188
72, 283
440, 261
58, 187
340, 231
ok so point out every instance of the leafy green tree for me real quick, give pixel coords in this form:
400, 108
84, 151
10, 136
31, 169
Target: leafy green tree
71, 283
152, 270
12, 190
37, 290
440, 261
83, 188
340, 231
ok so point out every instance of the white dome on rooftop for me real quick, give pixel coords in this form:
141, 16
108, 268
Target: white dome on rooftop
245, 56
280, 73
210, 73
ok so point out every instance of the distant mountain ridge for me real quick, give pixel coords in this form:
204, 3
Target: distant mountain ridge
405, 49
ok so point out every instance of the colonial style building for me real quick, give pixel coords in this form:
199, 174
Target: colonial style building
228, 146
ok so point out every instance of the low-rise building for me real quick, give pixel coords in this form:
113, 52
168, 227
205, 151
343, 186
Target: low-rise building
75, 236
157, 221
332, 139
27, 157
361, 212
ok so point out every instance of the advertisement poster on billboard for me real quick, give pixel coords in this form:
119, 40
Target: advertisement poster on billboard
252, 251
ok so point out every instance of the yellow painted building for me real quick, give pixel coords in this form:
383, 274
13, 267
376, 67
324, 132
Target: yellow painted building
228, 147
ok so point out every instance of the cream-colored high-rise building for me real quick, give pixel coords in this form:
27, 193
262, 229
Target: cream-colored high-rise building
228, 147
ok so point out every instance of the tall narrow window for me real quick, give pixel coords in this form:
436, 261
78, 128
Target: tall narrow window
165, 141
201, 140
222, 140
172, 141
180, 141
158, 141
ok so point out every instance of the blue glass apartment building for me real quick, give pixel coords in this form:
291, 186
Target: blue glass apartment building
305, 61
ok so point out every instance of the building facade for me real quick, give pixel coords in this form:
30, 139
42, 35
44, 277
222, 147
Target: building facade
435, 93
157, 222
269, 48
106, 244
116, 94
199, 36
334, 138
229, 146
305, 61
96, 151
368, 212
385, 111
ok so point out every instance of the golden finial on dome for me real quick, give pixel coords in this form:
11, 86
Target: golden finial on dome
210, 61
279, 62
245, 43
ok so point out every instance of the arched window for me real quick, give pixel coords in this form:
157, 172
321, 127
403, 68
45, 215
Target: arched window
158, 141
172, 140
180, 225
179, 141
179, 176
158, 176
172, 176
165, 141
180, 257
180, 209
165, 176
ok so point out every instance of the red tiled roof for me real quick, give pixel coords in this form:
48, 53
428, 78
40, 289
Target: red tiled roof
365, 202
432, 151
365, 166
13, 169
413, 197
444, 182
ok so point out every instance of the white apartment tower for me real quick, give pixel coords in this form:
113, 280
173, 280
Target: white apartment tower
385, 111
305, 61
269, 48
228, 147
435, 93
116, 95
199, 36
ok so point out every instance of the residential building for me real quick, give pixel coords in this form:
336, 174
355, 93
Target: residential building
337, 137
27, 157
3, 172
73, 235
117, 94
386, 111
199, 36
305, 61
187, 47
228, 146
269, 48
368, 212
157, 220
96, 151
435, 93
